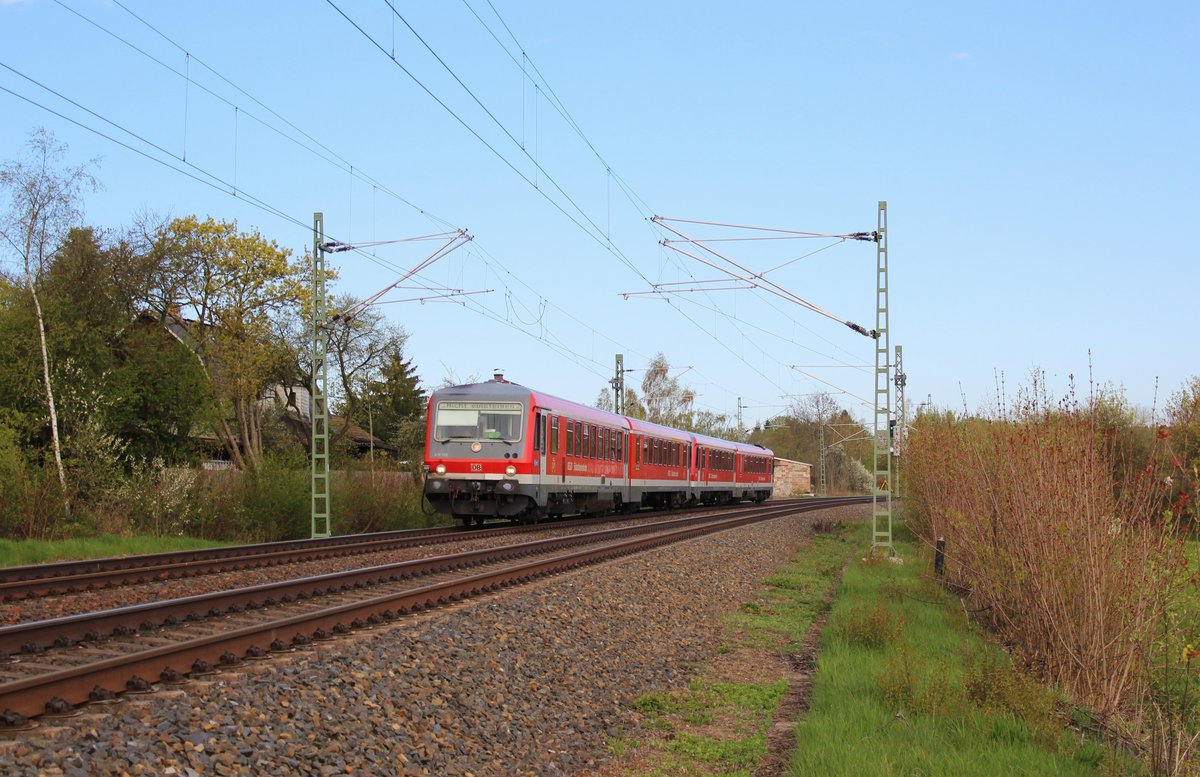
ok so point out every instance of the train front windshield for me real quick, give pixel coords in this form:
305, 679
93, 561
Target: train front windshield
478, 421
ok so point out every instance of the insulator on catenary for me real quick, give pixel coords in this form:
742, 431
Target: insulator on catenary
871, 333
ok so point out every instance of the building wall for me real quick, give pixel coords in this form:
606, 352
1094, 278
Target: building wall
792, 478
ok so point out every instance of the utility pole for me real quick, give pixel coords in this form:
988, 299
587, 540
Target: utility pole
319, 409
321, 328
821, 461
739, 417
901, 421
881, 501
618, 384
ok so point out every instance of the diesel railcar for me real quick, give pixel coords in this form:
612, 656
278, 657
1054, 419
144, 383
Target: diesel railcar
501, 450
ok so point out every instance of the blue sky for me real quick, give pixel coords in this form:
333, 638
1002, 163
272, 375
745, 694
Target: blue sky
1039, 163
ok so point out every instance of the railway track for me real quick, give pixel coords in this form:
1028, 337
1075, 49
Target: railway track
17, 583
69, 661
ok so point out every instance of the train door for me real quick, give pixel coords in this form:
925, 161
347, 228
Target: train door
541, 419
554, 463
625, 456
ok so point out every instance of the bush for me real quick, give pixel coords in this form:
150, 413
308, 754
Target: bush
386, 499
1057, 533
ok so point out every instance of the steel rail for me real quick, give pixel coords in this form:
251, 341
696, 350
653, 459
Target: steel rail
88, 574
63, 688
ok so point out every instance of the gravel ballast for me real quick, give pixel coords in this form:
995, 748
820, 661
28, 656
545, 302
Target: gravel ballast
530, 681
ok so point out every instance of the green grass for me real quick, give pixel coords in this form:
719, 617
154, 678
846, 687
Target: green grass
720, 728
21, 552
905, 686
740, 713
793, 597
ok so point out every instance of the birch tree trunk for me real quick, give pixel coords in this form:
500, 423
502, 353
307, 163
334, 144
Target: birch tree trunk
37, 307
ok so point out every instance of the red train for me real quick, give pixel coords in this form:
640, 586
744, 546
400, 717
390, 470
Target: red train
498, 449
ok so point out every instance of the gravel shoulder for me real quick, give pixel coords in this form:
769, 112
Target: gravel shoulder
533, 681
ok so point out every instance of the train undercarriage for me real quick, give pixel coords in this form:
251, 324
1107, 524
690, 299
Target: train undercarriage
475, 501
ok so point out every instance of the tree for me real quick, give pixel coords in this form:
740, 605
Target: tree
797, 435
359, 348
605, 400
394, 403
242, 291
44, 202
665, 400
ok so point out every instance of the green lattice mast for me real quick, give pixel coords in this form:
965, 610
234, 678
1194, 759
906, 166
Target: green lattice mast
881, 503
319, 407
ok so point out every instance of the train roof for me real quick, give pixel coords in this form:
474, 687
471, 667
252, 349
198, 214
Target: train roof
666, 432
748, 449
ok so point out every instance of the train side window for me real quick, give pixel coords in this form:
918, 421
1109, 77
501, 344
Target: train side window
621, 447
538, 430
609, 445
570, 437
554, 434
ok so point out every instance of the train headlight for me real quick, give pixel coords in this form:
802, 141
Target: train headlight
510, 470
440, 469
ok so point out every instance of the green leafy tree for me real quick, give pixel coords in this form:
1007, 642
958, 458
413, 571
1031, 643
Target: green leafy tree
147, 390
395, 404
241, 291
